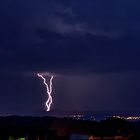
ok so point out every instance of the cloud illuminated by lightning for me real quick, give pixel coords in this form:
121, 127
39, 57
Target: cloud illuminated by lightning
48, 90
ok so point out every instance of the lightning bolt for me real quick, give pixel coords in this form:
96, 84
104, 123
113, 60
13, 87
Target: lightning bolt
48, 90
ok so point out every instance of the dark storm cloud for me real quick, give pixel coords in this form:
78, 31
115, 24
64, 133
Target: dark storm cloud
91, 36
97, 39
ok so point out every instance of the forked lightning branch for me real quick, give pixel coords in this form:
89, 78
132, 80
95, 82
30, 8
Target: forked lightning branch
48, 90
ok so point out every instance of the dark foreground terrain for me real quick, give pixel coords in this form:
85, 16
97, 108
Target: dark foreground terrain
50, 128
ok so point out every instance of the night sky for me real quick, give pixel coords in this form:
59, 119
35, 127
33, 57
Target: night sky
92, 47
